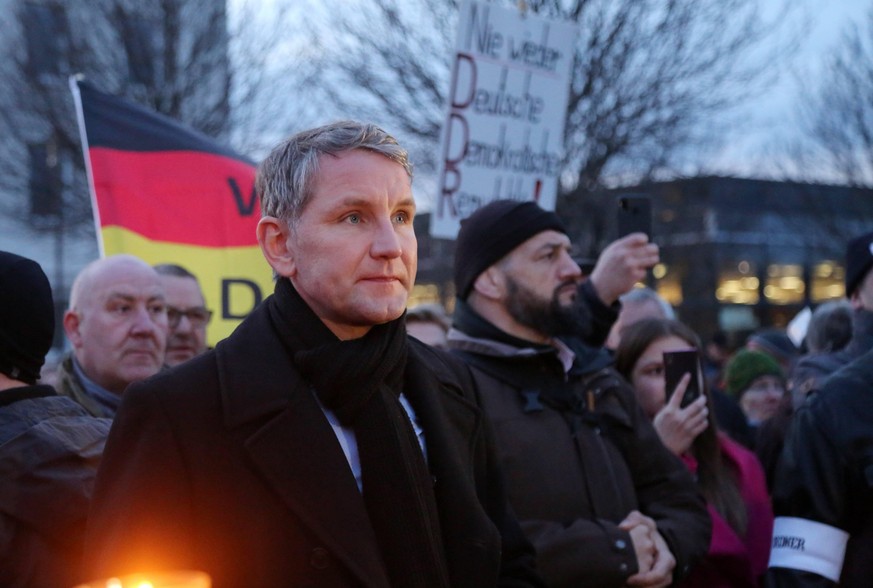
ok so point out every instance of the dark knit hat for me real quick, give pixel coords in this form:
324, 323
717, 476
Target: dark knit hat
491, 232
776, 342
27, 317
745, 367
859, 259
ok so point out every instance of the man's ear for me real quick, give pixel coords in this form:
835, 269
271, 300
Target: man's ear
491, 283
273, 237
71, 327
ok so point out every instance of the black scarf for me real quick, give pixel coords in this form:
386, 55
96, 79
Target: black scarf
360, 380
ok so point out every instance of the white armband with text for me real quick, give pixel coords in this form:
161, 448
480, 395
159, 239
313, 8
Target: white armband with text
801, 544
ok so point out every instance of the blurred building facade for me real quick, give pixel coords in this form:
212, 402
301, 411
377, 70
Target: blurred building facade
737, 254
170, 55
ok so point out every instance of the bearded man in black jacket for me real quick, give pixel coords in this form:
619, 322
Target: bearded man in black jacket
603, 501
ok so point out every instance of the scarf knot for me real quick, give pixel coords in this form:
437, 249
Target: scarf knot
345, 374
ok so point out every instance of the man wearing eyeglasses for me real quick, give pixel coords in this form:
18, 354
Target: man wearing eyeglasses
187, 315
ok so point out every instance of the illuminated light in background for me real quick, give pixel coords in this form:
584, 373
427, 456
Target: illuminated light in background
828, 281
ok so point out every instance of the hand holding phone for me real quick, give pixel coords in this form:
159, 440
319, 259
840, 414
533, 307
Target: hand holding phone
676, 365
634, 215
684, 417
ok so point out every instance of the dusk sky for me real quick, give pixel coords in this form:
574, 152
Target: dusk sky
772, 114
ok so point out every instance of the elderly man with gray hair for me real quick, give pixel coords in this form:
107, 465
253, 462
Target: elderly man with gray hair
117, 325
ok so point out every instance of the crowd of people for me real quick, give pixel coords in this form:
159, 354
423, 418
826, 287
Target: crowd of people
337, 438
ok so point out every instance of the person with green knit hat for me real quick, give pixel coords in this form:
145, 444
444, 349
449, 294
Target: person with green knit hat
757, 382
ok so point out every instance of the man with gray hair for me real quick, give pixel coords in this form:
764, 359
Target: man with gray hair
637, 304
318, 444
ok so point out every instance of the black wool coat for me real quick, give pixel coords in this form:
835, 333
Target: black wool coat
227, 464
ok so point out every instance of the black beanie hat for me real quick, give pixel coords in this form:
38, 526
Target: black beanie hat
859, 258
491, 232
27, 317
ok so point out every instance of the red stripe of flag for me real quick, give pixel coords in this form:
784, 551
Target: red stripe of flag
195, 198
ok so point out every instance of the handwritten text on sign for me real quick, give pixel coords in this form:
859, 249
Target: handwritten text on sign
504, 130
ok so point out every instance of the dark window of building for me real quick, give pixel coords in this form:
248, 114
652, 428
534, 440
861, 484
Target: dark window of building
45, 29
137, 35
45, 193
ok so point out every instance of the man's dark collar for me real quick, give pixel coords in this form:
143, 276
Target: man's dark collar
11, 395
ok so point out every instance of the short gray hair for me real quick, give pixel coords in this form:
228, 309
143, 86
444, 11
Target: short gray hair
830, 327
175, 270
285, 178
646, 294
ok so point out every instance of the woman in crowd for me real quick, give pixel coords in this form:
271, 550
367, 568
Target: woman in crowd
729, 475
757, 382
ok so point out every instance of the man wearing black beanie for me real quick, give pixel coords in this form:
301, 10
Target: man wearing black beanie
622, 263
603, 501
49, 445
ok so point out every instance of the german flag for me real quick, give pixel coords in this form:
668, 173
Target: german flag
169, 194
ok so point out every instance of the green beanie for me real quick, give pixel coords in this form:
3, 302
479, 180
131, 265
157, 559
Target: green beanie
747, 366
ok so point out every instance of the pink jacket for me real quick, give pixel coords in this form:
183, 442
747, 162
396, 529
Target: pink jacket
733, 561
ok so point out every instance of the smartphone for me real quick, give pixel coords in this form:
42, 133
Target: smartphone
676, 365
634, 215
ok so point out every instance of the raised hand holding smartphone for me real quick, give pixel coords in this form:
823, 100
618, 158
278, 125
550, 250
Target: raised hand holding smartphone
676, 365
634, 215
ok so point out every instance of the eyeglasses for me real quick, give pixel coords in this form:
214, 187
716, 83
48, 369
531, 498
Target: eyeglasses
198, 316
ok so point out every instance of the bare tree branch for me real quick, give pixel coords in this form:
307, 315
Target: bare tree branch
835, 113
648, 77
167, 54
